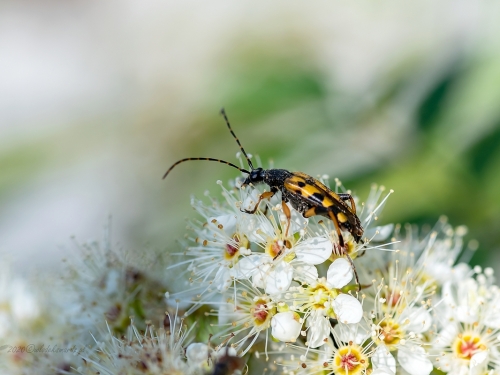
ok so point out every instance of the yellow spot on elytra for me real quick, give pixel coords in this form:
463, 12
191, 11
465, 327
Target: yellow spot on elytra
341, 217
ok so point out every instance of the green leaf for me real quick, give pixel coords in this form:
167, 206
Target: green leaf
432, 105
481, 154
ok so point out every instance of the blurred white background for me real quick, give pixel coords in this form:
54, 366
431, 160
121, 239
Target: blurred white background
97, 99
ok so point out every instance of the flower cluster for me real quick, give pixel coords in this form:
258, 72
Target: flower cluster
268, 292
278, 287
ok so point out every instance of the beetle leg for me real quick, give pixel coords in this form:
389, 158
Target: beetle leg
265, 210
332, 216
361, 253
345, 197
265, 195
342, 249
288, 215
310, 212
354, 270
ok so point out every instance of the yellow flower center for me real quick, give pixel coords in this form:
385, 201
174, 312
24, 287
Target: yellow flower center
232, 248
261, 312
390, 333
349, 247
320, 296
349, 360
276, 247
391, 296
467, 344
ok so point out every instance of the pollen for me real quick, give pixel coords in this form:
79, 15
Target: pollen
232, 248
466, 345
274, 248
349, 360
261, 312
390, 333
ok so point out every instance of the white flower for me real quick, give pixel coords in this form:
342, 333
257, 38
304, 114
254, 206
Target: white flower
286, 256
335, 356
400, 314
347, 308
468, 338
383, 361
156, 351
318, 329
320, 301
245, 315
197, 353
286, 326
339, 273
414, 360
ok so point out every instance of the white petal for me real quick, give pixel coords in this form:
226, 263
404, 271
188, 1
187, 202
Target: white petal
24, 304
197, 353
419, 319
251, 200
314, 250
492, 317
318, 329
222, 279
279, 279
460, 272
247, 266
380, 233
339, 273
112, 281
414, 360
225, 351
286, 326
446, 336
228, 223
347, 308
297, 221
478, 358
306, 274
260, 275
352, 332
384, 371
382, 359
227, 313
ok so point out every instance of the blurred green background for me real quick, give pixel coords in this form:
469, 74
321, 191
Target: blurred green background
98, 99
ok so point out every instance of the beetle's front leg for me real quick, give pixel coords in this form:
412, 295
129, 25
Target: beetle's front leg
265, 195
348, 197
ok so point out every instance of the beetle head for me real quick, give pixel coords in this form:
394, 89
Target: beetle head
255, 176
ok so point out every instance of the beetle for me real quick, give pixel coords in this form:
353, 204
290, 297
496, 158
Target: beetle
306, 194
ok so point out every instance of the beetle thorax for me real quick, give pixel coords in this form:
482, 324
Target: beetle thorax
276, 177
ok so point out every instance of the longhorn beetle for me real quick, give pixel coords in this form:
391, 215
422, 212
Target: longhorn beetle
306, 194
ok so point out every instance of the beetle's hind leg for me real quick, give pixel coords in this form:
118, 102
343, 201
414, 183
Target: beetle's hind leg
349, 259
362, 252
332, 216
265, 195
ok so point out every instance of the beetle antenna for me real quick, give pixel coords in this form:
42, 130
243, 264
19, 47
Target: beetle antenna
208, 159
223, 113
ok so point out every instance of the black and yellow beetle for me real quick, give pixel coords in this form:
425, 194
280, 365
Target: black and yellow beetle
306, 194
